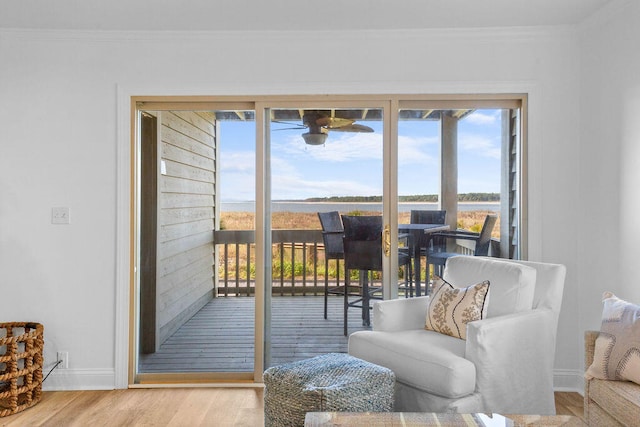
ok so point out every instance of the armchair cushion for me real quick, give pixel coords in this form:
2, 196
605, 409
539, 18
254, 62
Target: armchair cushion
450, 309
617, 348
426, 360
512, 285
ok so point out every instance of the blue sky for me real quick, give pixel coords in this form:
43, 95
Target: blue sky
351, 163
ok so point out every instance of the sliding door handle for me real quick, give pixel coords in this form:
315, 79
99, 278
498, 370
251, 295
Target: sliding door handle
386, 240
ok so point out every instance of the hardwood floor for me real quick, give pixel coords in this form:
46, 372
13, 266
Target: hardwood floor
172, 407
144, 407
299, 331
570, 404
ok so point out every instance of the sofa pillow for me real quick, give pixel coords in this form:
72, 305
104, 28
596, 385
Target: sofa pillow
617, 351
451, 308
512, 285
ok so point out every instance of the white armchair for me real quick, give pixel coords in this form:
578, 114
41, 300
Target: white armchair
505, 365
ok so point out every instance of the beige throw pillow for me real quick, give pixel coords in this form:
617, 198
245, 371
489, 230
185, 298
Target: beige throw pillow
450, 308
617, 351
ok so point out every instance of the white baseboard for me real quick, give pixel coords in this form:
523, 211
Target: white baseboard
80, 379
104, 379
568, 380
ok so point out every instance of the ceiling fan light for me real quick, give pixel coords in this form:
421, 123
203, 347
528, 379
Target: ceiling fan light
314, 138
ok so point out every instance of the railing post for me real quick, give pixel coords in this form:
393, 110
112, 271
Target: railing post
281, 246
315, 267
226, 270
304, 268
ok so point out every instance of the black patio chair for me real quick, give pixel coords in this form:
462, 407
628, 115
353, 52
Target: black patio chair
430, 217
482, 239
428, 243
332, 233
363, 252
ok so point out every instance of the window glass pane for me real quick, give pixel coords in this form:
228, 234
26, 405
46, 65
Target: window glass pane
322, 160
418, 163
237, 174
197, 182
333, 164
479, 167
464, 161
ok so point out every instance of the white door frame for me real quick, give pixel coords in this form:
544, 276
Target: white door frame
124, 174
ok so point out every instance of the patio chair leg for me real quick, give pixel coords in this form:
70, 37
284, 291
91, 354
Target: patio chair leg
365, 300
363, 279
346, 300
326, 285
409, 280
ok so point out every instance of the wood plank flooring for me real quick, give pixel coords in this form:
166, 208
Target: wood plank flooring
220, 407
300, 331
219, 338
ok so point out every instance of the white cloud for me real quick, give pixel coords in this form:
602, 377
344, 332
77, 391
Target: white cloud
415, 150
296, 187
480, 145
242, 161
295, 179
238, 176
238, 186
344, 147
282, 165
300, 171
480, 118
476, 184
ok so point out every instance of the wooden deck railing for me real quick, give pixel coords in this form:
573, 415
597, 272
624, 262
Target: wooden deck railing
297, 260
467, 247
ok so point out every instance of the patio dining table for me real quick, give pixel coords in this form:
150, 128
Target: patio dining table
419, 237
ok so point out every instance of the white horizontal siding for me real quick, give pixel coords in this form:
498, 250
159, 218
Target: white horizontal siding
185, 217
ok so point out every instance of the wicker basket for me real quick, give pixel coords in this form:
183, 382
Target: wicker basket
21, 360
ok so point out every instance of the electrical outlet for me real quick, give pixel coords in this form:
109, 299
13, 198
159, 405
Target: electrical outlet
64, 357
60, 215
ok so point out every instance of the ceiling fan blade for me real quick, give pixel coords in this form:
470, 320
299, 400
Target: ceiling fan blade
294, 128
354, 127
333, 122
299, 125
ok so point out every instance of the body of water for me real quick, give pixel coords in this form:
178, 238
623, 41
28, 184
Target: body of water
349, 207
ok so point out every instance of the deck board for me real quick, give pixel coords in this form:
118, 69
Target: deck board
219, 338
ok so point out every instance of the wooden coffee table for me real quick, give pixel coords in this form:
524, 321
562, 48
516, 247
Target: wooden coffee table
393, 419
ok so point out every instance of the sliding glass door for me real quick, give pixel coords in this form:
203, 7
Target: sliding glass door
464, 159
232, 272
195, 198
322, 158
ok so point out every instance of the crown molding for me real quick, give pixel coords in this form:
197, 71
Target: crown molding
429, 34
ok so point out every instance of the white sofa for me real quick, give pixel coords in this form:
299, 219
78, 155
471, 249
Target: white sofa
506, 363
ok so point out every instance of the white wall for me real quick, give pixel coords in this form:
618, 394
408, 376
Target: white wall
609, 155
59, 138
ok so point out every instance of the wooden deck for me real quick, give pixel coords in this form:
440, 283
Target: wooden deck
219, 338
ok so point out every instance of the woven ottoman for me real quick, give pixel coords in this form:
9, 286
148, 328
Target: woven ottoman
331, 382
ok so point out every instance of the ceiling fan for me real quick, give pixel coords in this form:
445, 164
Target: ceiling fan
320, 123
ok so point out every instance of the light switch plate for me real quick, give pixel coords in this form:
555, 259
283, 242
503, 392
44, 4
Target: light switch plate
60, 215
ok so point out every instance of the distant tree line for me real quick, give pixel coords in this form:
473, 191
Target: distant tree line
479, 197
419, 198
